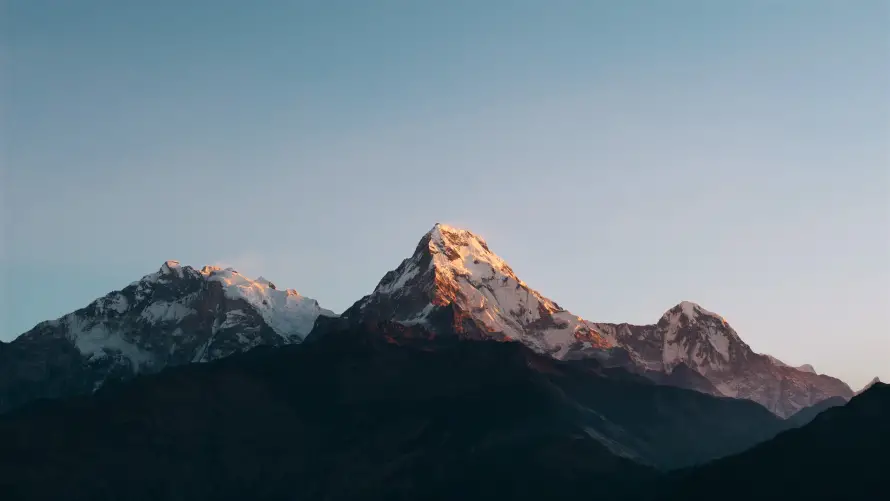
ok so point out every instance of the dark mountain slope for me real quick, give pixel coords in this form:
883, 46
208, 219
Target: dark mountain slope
369, 412
807, 414
842, 454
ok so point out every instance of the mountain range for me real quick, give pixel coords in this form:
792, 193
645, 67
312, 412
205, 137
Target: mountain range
841, 454
452, 379
452, 284
385, 411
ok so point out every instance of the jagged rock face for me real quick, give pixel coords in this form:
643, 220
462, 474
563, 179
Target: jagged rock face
454, 283
175, 316
454, 268
783, 390
690, 335
686, 335
713, 350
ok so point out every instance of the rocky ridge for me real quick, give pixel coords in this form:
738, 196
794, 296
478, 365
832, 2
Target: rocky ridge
453, 282
175, 316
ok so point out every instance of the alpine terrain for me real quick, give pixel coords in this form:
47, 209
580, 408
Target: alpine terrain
366, 412
443, 383
174, 316
454, 282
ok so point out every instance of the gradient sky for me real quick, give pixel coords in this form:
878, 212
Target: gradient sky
621, 156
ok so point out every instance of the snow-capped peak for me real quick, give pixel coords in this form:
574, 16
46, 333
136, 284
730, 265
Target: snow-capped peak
286, 312
169, 270
690, 311
266, 281
454, 283
465, 253
174, 295
174, 316
455, 267
170, 266
697, 337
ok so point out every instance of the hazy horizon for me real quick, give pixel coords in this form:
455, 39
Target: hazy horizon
621, 157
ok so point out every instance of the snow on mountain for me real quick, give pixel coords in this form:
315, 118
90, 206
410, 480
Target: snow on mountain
454, 268
703, 341
173, 316
454, 282
286, 312
697, 337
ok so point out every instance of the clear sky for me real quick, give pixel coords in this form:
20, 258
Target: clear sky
621, 156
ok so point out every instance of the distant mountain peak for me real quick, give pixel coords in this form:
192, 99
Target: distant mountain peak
691, 312
173, 316
868, 386
704, 341
170, 266
286, 311
699, 337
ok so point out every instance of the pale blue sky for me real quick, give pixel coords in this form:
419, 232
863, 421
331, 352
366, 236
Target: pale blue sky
622, 156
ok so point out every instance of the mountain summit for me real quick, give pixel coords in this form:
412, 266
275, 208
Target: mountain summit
453, 282
174, 316
690, 337
453, 277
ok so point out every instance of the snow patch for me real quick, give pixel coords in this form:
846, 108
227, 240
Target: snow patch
233, 318
719, 341
421, 317
171, 266
411, 270
692, 311
287, 312
96, 341
473, 258
164, 311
